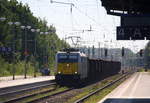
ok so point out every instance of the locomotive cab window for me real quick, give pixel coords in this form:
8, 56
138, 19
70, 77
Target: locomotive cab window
62, 58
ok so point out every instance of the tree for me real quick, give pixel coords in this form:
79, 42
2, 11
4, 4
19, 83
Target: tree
10, 35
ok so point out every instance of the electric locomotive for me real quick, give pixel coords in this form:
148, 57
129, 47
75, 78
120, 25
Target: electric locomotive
74, 67
71, 66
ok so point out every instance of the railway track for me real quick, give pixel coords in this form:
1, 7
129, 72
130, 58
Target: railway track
19, 100
14, 94
50, 96
49, 93
81, 100
11, 90
65, 95
25, 89
33, 94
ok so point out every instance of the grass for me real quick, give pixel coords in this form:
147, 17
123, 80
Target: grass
143, 70
100, 95
87, 90
97, 97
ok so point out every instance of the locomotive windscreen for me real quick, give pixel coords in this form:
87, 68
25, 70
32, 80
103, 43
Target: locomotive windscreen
67, 58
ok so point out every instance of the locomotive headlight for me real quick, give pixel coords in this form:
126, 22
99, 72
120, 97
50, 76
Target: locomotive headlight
67, 65
76, 72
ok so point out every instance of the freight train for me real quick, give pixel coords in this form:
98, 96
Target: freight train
74, 66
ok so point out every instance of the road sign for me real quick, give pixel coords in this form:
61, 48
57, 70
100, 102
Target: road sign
5, 49
133, 33
9, 49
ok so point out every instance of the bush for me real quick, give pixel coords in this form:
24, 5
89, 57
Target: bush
6, 69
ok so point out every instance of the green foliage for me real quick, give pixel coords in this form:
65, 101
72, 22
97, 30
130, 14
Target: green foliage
41, 48
141, 70
147, 55
6, 68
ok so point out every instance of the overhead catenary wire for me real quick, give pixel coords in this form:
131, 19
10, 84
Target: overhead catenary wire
80, 11
52, 1
71, 8
91, 18
73, 5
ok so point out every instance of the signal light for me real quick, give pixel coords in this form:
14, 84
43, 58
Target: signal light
106, 52
141, 52
122, 51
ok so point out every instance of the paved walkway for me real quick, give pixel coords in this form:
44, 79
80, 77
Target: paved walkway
8, 82
8, 78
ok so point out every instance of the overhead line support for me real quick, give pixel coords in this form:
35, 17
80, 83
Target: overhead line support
61, 2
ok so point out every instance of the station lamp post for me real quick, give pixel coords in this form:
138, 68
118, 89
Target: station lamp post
46, 33
2, 19
35, 31
14, 24
46, 60
26, 48
35, 48
14, 49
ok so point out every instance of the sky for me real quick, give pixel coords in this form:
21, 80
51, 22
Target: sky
76, 16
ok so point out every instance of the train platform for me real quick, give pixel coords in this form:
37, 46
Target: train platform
19, 80
133, 90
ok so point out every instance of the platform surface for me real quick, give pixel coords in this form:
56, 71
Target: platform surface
136, 89
19, 80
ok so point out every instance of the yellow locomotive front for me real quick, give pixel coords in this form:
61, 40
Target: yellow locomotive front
67, 64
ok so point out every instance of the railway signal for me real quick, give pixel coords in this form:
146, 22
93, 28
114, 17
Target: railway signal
122, 51
106, 52
93, 52
141, 53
